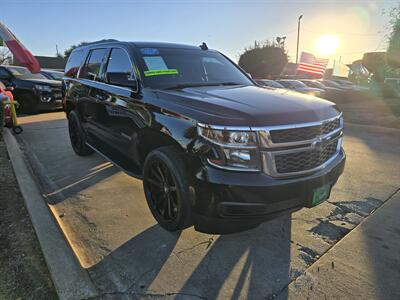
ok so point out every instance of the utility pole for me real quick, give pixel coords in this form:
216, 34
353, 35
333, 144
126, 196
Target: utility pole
298, 38
57, 50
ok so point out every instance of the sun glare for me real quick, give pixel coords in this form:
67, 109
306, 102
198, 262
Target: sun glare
326, 45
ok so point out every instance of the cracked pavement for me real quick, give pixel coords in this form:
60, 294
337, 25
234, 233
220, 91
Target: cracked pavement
105, 219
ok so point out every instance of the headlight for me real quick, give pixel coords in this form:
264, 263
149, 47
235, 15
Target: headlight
234, 149
45, 88
228, 137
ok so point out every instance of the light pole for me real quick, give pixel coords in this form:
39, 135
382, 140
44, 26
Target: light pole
298, 38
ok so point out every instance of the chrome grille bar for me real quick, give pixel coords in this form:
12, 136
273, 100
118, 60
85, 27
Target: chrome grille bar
317, 145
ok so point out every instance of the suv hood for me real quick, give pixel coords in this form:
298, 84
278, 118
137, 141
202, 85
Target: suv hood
246, 106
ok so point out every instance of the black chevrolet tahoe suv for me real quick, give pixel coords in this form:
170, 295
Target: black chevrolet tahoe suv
34, 92
213, 149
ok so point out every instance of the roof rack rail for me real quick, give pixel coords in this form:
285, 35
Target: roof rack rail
98, 42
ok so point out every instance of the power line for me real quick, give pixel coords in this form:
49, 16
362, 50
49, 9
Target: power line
345, 33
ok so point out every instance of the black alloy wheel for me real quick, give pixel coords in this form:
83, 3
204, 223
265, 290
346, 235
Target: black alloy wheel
166, 187
163, 190
77, 135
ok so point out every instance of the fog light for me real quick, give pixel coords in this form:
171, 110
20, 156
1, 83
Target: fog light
45, 99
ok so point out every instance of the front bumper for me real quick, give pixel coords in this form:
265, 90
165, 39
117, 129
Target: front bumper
49, 100
229, 201
51, 105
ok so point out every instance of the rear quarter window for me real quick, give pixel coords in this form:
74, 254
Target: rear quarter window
92, 68
73, 63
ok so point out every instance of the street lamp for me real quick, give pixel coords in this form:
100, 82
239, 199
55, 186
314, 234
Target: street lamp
298, 38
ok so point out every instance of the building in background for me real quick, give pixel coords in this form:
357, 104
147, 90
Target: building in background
48, 62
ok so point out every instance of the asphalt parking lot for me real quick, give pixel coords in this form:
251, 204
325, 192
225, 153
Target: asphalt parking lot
104, 216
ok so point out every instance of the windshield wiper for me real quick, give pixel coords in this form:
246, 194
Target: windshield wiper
228, 83
187, 85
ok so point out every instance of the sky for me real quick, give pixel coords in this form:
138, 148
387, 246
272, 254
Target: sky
228, 26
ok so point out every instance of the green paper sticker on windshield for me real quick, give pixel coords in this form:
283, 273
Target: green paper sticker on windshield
161, 72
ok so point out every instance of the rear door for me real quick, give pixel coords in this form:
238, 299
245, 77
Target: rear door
121, 106
91, 106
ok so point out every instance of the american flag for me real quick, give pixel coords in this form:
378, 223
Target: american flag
309, 64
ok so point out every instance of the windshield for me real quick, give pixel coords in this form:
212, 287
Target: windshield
24, 73
177, 68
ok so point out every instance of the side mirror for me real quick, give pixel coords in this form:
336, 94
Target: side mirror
122, 79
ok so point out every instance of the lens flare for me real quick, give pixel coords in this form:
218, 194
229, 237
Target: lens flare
326, 45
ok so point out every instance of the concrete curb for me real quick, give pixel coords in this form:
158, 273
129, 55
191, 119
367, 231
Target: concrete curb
70, 279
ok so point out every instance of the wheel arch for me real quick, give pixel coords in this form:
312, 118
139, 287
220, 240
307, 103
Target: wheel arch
68, 107
150, 140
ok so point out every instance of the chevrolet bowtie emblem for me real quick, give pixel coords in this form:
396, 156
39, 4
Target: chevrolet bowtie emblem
320, 143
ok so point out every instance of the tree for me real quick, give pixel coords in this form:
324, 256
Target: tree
263, 61
5, 56
376, 64
393, 51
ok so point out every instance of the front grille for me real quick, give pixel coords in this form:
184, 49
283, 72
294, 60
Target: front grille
304, 160
303, 133
56, 93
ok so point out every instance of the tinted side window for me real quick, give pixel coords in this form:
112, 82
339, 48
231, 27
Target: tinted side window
119, 65
73, 63
91, 69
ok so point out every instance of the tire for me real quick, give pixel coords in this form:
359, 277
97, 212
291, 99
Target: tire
77, 135
28, 104
166, 184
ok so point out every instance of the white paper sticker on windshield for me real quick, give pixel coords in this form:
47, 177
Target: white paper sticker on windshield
155, 63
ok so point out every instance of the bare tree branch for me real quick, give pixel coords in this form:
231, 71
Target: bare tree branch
5, 56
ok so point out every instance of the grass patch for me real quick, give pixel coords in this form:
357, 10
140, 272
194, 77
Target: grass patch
23, 271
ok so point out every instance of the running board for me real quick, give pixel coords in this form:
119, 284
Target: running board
118, 165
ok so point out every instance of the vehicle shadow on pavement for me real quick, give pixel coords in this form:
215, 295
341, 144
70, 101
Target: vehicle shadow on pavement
135, 264
87, 177
60, 177
249, 265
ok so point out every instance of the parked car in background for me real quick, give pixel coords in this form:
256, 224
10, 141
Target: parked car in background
300, 87
269, 83
214, 150
350, 85
34, 92
330, 93
333, 84
52, 74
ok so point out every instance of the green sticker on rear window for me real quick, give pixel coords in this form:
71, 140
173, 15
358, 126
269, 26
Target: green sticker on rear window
161, 72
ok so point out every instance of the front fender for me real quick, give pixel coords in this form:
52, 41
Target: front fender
167, 129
